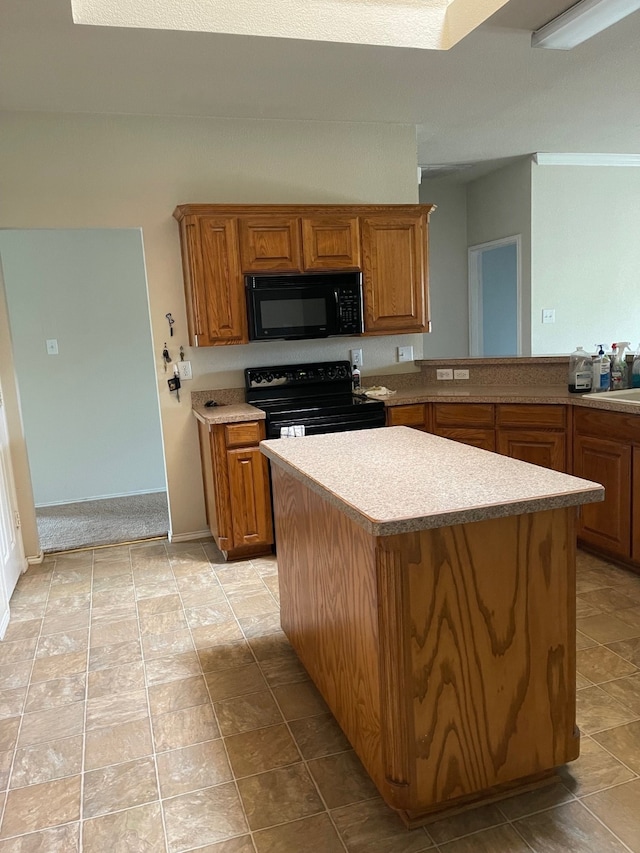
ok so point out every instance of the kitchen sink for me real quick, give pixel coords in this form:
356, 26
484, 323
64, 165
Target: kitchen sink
626, 395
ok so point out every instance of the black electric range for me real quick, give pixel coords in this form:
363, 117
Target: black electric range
317, 396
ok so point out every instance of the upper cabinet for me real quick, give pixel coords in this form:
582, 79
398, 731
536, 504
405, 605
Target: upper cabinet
222, 243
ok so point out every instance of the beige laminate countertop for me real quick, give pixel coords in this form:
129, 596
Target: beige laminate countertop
396, 479
228, 414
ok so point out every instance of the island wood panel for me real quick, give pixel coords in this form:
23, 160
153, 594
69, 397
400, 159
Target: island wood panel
491, 640
329, 608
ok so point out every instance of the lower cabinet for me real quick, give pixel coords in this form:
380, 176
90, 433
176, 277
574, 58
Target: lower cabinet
469, 423
534, 433
416, 415
236, 486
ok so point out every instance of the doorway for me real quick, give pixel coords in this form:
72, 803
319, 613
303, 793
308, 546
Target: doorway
79, 317
495, 298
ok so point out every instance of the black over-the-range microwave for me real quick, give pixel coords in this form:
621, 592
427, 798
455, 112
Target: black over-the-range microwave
304, 305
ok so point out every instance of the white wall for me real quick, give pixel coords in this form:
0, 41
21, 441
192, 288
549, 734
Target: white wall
499, 205
90, 412
84, 171
585, 256
449, 336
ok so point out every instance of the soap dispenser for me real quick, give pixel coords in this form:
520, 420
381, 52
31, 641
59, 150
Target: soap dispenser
601, 365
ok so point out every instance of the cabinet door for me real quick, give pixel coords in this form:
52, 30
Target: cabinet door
270, 243
330, 242
412, 415
606, 525
483, 438
548, 449
395, 274
214, 288
249, 494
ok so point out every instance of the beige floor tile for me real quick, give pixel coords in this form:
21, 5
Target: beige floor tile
113, 612
607, 628
52, 723
537, 800
58, 666
117, 744
318, 736
209, 614
624, 743
6, 759
618, 809
14, 675
115, 709
261, 750
161, 645
12, 702
41, 806
568, 827
271, 645
118, 679
498, 839
56, 693
191, 768
341, 779
44, 762
203, 817
608, 600
240, 844
22, 630
116, 654
119, 786
258, 626
627, 649
159, 604
115, 596
630, 616
226, 656
598, 710
626, 691
9, 732
59, 839
63, 592
312, 834
229, 683
163, 623
245, 713
57, 622
594, 770
176, 695
372, 825
109, 633
278, 796
18, 650
184, 728
172, 668
63, 643
154, 588
283, 669
102, 583
70, 603
256, 604
137, 830
299, 700
601, 664
212, 635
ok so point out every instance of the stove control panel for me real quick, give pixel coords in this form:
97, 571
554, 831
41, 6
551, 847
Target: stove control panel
297, 374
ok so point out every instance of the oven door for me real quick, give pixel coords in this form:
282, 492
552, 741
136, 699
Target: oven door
292, 312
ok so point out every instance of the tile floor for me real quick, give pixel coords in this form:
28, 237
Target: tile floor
150, 703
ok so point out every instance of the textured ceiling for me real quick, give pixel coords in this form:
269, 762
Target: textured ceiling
488, 98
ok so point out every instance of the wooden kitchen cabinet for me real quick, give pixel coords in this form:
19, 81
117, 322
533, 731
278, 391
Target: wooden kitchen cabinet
236, 487
470, 423
416, 415
394, 252
214, 289
533, 433
222, 243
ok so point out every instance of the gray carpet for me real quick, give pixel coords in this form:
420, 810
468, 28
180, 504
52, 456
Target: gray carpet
87, 524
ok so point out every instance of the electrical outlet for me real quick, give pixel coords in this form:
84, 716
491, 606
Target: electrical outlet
460, 374
356, 357
405, 353
444, 373
548, 315
52, 347
184, 370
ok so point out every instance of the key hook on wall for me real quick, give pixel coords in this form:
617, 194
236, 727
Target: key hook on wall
171, 321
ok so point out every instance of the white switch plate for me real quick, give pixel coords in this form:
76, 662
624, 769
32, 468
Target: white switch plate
52, 346
184, 370
548, 315
444, 373
405, 353
461, 374
356, 357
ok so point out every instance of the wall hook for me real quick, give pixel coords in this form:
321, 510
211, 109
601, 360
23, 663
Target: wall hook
171, 322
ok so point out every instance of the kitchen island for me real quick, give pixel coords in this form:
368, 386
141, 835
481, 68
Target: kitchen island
428, 588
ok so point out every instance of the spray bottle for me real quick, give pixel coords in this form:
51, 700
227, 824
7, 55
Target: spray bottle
601, 369
619, 365
635, 370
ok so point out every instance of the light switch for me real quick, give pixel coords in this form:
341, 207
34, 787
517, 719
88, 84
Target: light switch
405, 353
52, 346
548, 315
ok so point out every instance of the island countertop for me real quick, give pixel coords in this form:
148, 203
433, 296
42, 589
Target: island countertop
395, 480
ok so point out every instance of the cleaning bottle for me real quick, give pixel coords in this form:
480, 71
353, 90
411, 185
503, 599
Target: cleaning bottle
601, 365
355, 378
619, 365
635, 370
580, 372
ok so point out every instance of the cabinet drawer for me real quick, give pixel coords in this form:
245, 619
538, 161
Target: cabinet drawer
463, 415
412, 415
483, 438
244, 434
524, 415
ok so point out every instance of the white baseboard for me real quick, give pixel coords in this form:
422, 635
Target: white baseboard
184, 537
101, 497
34, 561
4, 623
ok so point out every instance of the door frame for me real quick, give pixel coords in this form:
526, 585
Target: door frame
476, 342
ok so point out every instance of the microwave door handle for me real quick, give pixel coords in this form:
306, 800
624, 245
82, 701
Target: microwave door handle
336, 294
